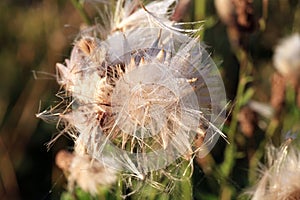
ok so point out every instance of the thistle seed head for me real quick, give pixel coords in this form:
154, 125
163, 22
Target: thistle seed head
142, 95
280, 179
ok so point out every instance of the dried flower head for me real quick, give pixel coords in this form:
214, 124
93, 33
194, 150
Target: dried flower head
142, 93
287, 56
81, 170
238, 16
280, 180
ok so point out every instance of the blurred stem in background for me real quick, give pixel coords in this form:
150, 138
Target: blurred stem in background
227, 191
78, 4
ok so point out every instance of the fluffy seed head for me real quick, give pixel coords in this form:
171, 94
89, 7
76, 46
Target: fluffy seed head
81, 170
281, 178
143, 93
287, 56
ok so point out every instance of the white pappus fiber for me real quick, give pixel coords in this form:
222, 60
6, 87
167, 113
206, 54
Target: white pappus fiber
280, 179
144, 93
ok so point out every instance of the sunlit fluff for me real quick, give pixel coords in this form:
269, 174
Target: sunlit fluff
83, 171
287, 56
280, 180
142, 92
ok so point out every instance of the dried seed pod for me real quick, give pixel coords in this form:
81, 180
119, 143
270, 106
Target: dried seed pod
244, 12
148, 99
247, 119
142, 94
238, 16
278, 92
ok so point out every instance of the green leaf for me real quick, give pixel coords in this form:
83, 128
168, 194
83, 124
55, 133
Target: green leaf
247, 96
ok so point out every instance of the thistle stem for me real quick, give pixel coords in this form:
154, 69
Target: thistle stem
230, 151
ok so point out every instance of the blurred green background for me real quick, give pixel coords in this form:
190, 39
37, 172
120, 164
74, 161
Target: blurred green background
36, 34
